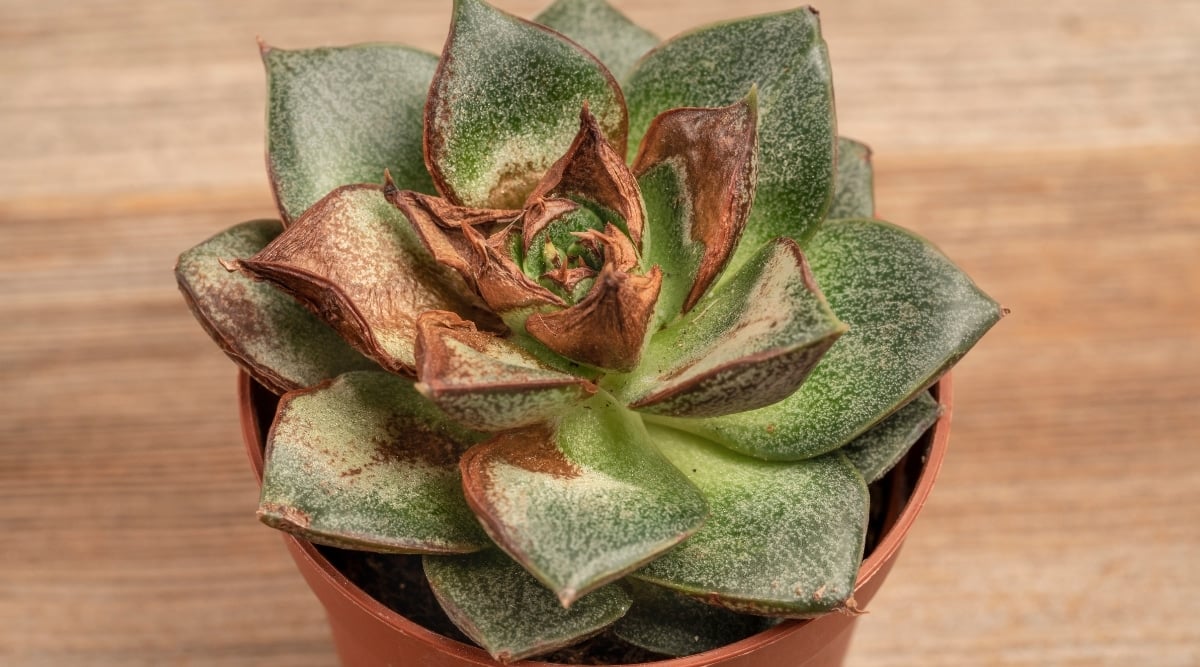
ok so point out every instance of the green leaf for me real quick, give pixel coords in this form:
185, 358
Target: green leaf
486, 382
505, 103
355, 259
697, 169
782, 538
582, 501
670, 623
878, 450
366, 463
265, 331
598, 27
854, 184
507, 612
338, 116
714, 66
751, 342
912, 314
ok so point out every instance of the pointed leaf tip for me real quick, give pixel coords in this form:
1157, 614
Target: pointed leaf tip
582, 500
498, 117
697, 168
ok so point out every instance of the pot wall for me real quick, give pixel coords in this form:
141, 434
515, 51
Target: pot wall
368, 634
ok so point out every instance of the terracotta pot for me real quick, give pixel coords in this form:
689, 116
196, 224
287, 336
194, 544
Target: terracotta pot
368, 634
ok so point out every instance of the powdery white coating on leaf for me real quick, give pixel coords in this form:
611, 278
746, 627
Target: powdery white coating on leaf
367, 463
505, 106
598, 27
749, 343
600, 503
667, 622
507, 612
854, 184
337, 116
912, 314
782, 538
878, 450
265, 331
785, 56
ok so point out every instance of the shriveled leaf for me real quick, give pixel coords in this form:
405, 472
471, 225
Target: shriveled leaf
367, 463
607, 328
265, 331
751, 342
338, 116
592, 171
487, 382
878, 450
782, 538
697, 169
507, 612
582, 500
504, 106
671, 623
912, 314
714, 66
598, 27
854, 183
355, 259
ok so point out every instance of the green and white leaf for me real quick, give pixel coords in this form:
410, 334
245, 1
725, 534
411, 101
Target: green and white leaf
912, 314
338, 116
749, 343
506, 611
782, 538
274, 338
854, 183
878, 450
505, 104
674, 624
785, 55
598, 27
583, 501
367, 463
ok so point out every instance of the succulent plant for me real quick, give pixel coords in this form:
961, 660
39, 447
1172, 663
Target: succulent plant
616, 336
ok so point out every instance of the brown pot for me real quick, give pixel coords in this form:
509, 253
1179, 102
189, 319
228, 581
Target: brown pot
368, 634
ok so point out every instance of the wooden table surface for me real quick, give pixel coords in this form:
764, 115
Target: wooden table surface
1051, 148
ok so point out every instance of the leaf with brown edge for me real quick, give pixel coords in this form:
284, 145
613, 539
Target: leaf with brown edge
784, 54
355, 260
783, 538
854, 182
592, 170
265, 331
501, 283
438, 224
878, 450
749, 343
697, 169
601, 29
507, 612
364, 462
607, 328
581, 500
912, 314
503, 105
486, 382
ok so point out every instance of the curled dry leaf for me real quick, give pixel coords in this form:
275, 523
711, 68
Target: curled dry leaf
711, 155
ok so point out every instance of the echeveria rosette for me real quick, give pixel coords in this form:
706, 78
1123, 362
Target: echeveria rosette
603, 387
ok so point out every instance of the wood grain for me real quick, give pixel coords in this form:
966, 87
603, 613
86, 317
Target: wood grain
1049, 147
